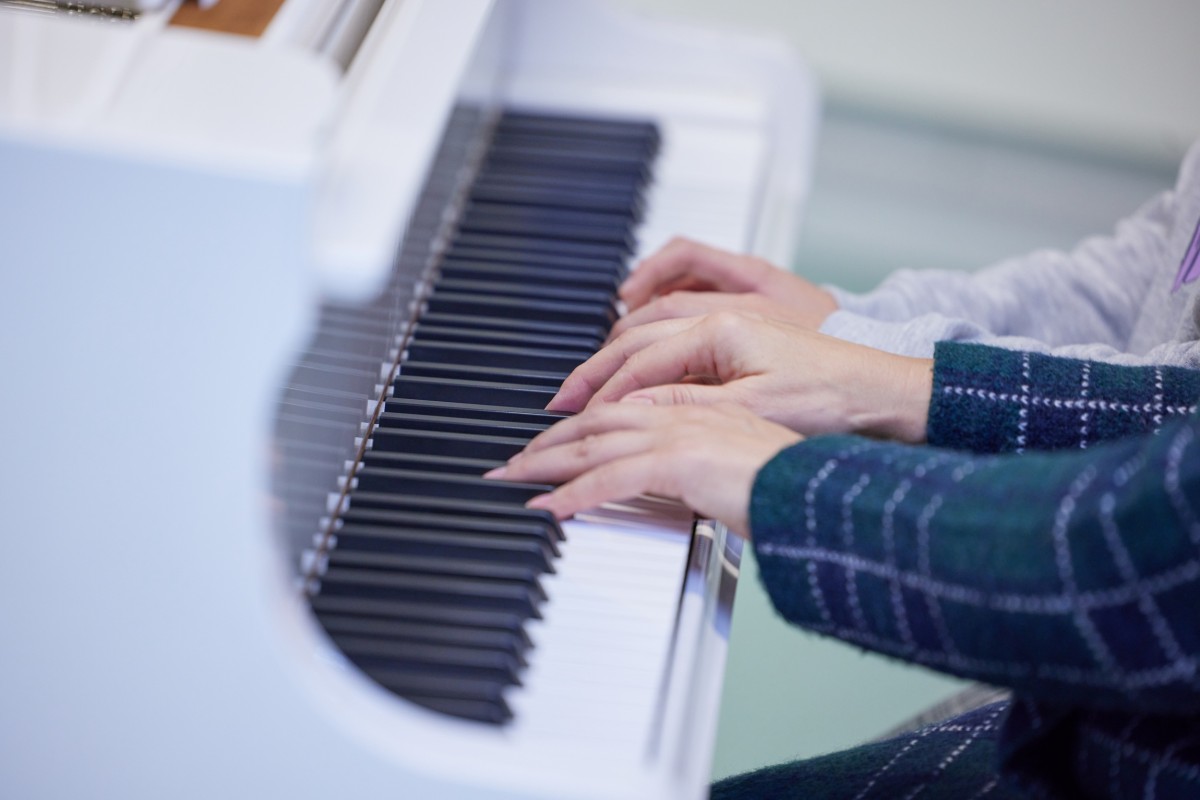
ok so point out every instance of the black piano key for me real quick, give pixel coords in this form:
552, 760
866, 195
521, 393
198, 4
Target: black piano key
544, 291
559, 247
479, 511
420, 684
614, 201
496, 323
471, 662
415, 441
539, 417
452, 464
481, 392
490, 374
529, 143
549, 310
616, 235
492, 712
513, 596
382, 608
514, 642
509, 338
617, 129
460, 424
452, 567
431, 535
520, 214
522, 359
460, 252
494, 272
466, 488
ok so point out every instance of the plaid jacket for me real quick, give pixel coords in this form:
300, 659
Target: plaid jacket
1047, 540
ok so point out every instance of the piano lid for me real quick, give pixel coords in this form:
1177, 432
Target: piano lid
353, 127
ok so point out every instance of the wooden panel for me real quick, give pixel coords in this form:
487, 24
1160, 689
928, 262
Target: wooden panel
243, 17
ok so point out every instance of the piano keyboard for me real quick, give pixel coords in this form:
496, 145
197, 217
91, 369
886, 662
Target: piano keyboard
440, 585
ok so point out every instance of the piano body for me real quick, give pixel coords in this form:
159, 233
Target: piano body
184, 214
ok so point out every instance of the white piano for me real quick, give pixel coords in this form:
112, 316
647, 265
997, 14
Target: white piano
183, 213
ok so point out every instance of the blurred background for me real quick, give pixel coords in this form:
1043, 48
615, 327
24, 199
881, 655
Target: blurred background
953, 134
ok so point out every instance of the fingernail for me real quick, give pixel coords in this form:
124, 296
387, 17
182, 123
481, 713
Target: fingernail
539, 501
498, 472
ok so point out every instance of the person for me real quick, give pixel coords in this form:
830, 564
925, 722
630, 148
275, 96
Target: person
1129, 297
1083, 596
724, 365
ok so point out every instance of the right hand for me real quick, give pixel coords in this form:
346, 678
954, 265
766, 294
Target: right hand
707, 458
686, 265
810, 382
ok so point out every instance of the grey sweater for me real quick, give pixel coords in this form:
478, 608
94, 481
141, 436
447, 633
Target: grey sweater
1132, 297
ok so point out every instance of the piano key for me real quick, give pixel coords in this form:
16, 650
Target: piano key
461, 424
556, 291
454, 566
442, 443
520, 359
538, 417
512, 338
549, 231
382, 608
466, 488
437, 463
480, 511
482, 392
617, 129
513, 596
470, 662
549, 310
496, 712
457, 269
514, 642
499, 323
562, 215
613, 201
615, 266
559, 247
417, 534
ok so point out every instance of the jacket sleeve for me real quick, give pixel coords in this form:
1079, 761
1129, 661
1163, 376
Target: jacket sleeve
992, 400
1070, 576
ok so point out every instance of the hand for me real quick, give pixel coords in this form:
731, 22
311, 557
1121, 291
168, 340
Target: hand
796, 377
680, 304
687, 265
705, 457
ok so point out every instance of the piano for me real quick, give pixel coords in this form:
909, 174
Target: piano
273, 300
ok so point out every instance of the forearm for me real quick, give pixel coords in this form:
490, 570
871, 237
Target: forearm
1091, 294
992, 400
1049, 573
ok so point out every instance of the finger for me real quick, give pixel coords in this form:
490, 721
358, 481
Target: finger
621, 479
601, 420
682, 394
677, 305
581, 385
567, 460
689, 354
684, 263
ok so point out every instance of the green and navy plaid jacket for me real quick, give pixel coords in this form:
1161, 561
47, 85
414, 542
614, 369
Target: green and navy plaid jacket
1047, 540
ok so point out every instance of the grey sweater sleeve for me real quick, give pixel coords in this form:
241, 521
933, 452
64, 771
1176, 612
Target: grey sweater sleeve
1091, 295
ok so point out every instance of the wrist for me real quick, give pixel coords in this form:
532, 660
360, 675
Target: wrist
896, 403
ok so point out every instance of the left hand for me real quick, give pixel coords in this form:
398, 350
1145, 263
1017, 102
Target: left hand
704, 456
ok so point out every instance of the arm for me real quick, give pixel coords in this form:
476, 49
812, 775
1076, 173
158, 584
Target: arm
1073, 577
1089, 295
991, 400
